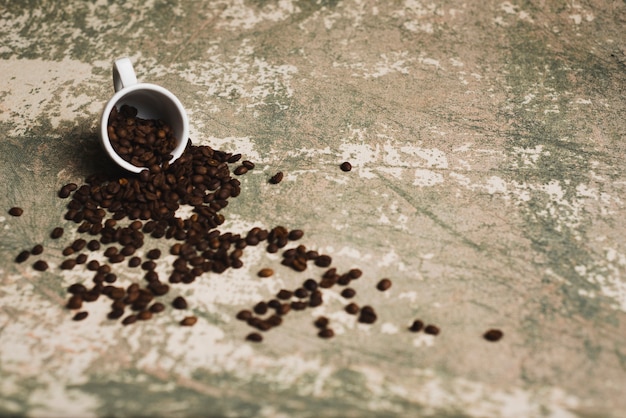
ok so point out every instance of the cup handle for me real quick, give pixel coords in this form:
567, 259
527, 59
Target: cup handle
123, 74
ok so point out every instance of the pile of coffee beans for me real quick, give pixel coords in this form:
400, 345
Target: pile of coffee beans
118, 216
141, 142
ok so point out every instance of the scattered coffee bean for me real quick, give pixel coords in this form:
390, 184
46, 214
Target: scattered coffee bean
157, 307
244, 315
265, 272
431, 329
416, 326
367, 315
56, 233
276, 178
179, 303
40, 265
93, 245
241, 170
134, 261
352, 308
254, 337
321, 322
153, 254
295, 234
326, 333
68, 264
76, 301
493, 335
345, 166
189, 321
16, 211
130, 319
348, 293
310, 284
37, 249
80, 316
22, 256
323, 261
260, 308
66, 190
144, 315
383, 285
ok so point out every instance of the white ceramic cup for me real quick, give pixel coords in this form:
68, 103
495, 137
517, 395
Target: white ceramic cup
151, 102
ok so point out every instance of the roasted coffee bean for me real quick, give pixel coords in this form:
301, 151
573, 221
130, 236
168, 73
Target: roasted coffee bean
157, 307
16, 211
93, 265
93, 245
130, 319
297, 305
367, 315
310, 284
117, 258
416, 326
493, 335
37, 249
431, 329
144, 315
134, 262
383, 285
66, 190
345, 166
142, 142
117, 293
295, 234
115, 313
283, 309
76, 301
179, 303
244, 315
104, 269
321, 322
284, 294
276, 178
22, 256
77, 289
68, 264
326, 333
348, 293
265, 272
78, 244
254, 337
110, 278
153, 254
260, 308
352, 308
300, 293
40, 265
80, 316
315, 299
56, 233
148, 265
81, 258
241, 170
248, 164
189, 321
323, 261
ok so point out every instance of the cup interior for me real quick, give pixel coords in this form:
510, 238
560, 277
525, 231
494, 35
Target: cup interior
151, 102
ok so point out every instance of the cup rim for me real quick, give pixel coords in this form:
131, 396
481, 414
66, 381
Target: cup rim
104, 119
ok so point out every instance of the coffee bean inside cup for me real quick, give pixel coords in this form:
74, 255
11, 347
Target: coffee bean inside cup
141, 142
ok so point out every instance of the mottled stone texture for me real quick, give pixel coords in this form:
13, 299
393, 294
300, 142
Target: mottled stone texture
488, 183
